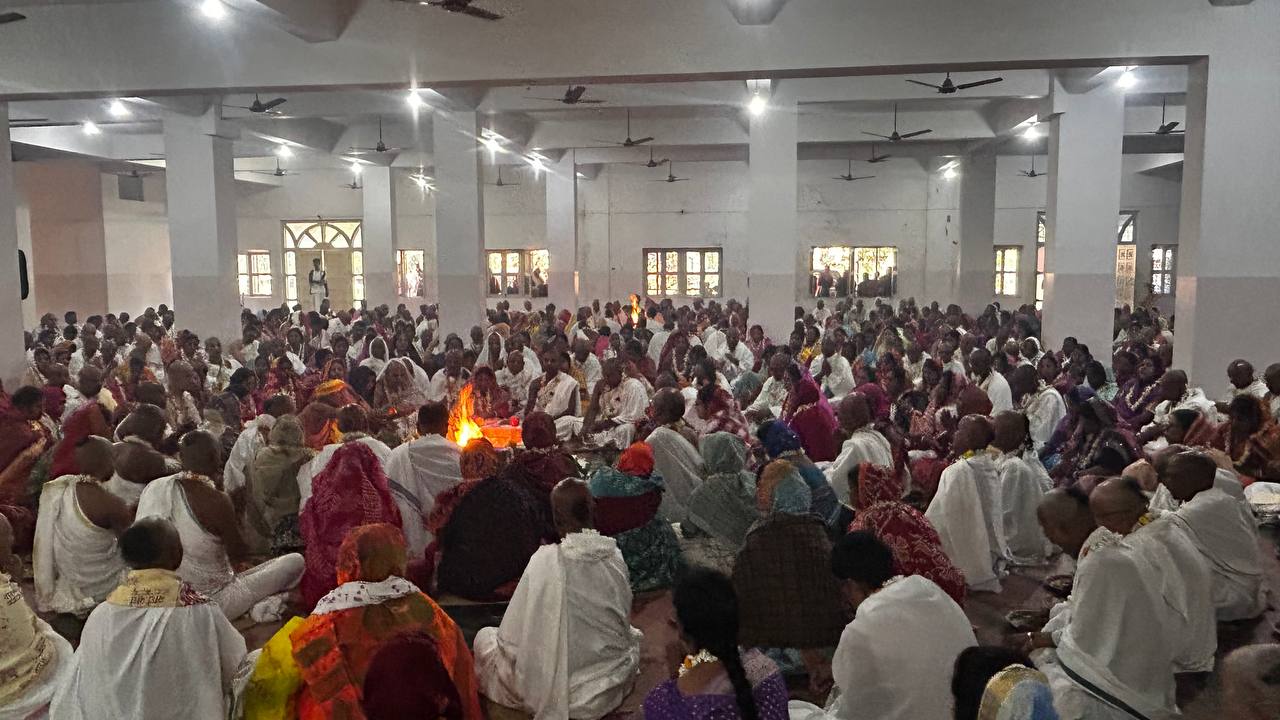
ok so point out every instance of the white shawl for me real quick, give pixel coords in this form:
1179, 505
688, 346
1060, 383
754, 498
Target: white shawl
566, 648
77, 563
865, 444
419, 471
965, 512
1023, 484
1176, 567
680, 465
1230, 543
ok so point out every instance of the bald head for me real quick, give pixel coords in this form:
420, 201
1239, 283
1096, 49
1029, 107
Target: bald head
1251, 680
1118, 504
854, 411
1188, 474
1066, 519
973, 433
201, 453
668, 405
151, 542
1009, 431
89, 381
1240, 373
95, 456
572, 506
352, 418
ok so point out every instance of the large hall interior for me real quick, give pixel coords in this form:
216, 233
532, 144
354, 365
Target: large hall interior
612, 359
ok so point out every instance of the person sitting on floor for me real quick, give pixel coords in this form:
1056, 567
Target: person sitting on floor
138, 459
565, 648
420, 470
191, 649
211, 539
353, 424
724, 504
675, 454
351, 491
1227, 538
617, 403
966, 510
894, 660
322, 667
627, 502
485, 529
991, 681
275, 499
37, 660
542, 463
1022, 484
77, 559
716, 679
865, 444
789, 599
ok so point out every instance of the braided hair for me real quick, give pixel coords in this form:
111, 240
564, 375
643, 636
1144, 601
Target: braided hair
707, 609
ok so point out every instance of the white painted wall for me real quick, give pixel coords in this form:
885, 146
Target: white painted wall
622, 210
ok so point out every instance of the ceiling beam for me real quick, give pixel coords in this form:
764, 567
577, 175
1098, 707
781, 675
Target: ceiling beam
315, 21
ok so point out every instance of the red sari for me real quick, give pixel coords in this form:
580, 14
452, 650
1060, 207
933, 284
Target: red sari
809, 414
351, 491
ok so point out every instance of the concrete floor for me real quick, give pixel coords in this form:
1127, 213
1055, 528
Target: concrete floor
1199, 697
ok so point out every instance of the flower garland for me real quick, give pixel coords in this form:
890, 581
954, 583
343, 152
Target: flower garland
692, 661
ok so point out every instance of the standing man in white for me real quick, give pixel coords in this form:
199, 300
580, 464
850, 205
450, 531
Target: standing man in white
317, 284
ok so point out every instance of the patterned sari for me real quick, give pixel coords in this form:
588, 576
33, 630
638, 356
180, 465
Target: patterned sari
627, 500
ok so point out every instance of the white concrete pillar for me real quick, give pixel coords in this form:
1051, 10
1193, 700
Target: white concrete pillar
378, 229
200, 186
976, 260
1228, 257
1085, 139
771, 219
13, 358
459, 220
562, 232
935, 278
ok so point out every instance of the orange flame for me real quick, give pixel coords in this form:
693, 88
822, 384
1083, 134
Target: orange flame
635, 309
462, 429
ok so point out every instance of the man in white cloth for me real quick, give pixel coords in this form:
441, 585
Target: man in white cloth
36, 660
674, 456
77, 562
211, 540
1227, 539
1023, 483
967, 510
566, 648
584, 361
992, 383
317, 284
774, 391
831, 370
88, 385
1174, 565
865, 444
419, 470
895, 660
1106, 651
617, 404
555, 392
1243, 382
734, 357
517, 377
1175, 394
1042, 404
251, 441
157, 648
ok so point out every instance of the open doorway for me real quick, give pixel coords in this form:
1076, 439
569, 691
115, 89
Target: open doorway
338, 246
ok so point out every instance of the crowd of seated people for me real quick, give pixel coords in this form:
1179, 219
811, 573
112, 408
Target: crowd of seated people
860, 480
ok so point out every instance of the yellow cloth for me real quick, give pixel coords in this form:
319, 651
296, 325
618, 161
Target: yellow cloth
273, 688
154, 588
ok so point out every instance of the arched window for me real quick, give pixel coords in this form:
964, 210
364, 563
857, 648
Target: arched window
326, 239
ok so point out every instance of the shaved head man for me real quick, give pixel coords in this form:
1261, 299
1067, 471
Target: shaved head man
964, 509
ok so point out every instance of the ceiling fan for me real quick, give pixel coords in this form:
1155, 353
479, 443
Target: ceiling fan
877, 158
261, 108
572, 96
1032, 172
671, 176
1166, 128
948, 87
654, 163
628, 142
457, 6
9, 17
381, 147
850, 177
499, 183
353, 185
278, 172
896, 137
